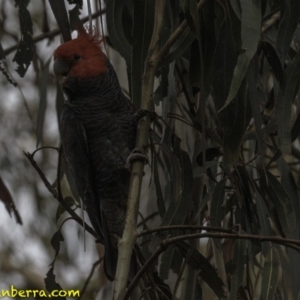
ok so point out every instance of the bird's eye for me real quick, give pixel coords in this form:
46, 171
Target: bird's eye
76, 56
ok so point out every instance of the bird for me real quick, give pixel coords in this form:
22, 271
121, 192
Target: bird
97, 128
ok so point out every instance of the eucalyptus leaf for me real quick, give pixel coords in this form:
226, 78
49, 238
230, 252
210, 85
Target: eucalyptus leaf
114, 10
282, 205
270, 275
43, 101
251, 27
239, 260
142, 32
25, 51
288, 24
216, 207
283, 103
254, 97
60, 12
198, 262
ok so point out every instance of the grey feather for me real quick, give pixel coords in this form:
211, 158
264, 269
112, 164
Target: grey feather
98, 127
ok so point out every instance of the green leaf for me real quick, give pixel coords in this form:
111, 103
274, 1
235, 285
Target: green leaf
23, 3
8, 201
236, 6
239, 261
198, 262
254, 99
216, 207
209, 44
194, 63
235, 119
173, 188
290, 187
290, 10
178, 192
199, 171
55, 241
51, 284
275, 157
24, 54
250, 31
43, 101
70, 180
289, 262
294, 260
181, 172
165, 263
177, 262
159, 193
273, 59
264, 223
114, 14
283, 103
77, 2
190, 288
176, 212
74, 14
282, 205
295, 132
60, 13
210, 154
187, 186
142, 32
2, 54
180, 46
189, 8
270, 275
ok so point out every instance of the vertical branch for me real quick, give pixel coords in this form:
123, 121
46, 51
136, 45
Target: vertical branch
129, 235
90, 14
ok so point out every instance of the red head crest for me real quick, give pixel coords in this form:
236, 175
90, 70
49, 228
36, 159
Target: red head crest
81, 57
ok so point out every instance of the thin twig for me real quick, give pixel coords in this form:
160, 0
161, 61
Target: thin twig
44, 147
184, 227
90, 14
86, 283
55, 194
147, 218
153, 60
51, 33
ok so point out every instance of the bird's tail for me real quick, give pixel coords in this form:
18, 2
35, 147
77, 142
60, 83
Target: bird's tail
111, 260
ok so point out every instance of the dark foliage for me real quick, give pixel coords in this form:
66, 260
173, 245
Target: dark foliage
225, 151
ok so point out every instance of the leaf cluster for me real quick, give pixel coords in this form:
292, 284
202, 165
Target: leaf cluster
224, 151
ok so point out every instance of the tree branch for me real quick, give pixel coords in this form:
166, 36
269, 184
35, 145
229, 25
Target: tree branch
184, 227
58, 197
127, 242
295, 244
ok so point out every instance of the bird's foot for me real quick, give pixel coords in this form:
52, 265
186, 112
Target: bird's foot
143, 112
136, 155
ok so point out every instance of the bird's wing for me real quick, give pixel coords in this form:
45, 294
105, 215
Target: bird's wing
76, 152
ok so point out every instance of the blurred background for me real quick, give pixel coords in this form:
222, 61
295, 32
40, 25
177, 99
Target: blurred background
25, 250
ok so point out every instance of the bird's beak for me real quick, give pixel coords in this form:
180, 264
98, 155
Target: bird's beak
61, 70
